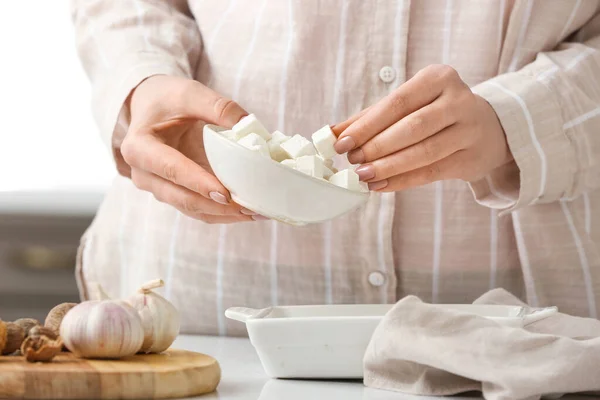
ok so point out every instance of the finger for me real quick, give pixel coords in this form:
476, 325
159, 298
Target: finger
189, 203
222, 219
342, 126
427, 152
146, 152
122, 167
443, 169
417, 92
205, 104
410, 130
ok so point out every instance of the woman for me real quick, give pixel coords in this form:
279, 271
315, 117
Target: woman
479, 138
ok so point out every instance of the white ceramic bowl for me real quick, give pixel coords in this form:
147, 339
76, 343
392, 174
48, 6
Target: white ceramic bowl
274, 190
330, 341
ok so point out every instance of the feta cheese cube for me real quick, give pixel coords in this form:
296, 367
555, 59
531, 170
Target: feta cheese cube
327, 173
347, 178
256, 143
328, 162
277, 153
364, 187
324, 139
310, 165
279, 137
229, 135
298, 146
250, 124
289, 163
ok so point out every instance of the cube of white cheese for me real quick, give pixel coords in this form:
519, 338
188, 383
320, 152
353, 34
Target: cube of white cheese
279, 137
229, 135
250, 124
347, 178
289, 163
256, 143
277, 153
327, 173
324, 139
298, 146
364, 187
328, 162
310, 165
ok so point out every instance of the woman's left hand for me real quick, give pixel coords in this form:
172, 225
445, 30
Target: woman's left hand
431, 128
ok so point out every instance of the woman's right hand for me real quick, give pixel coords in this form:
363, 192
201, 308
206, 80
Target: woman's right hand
164, 149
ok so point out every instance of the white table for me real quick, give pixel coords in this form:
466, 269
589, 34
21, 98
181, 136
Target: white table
243, 377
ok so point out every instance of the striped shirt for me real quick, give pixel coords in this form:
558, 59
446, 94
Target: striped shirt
532, 227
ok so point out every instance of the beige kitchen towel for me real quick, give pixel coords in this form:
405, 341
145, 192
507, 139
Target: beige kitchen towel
423, 349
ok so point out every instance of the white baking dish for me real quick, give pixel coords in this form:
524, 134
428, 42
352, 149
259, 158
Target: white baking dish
330, 341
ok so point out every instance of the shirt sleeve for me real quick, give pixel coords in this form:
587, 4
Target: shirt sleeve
550, 112
121, 43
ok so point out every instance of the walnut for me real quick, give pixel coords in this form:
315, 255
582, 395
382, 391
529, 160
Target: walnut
56, 315
13, 337
41, 348
43, 331
3, 332
27, 324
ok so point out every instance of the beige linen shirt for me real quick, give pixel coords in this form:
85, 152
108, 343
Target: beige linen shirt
532, 227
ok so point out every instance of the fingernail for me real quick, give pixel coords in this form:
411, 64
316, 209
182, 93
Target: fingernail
365, 172
245, 211
378, 185
344, 145
218, 197
356, 156
259, 218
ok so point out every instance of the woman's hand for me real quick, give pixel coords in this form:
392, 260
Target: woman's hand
164, 150
429, 129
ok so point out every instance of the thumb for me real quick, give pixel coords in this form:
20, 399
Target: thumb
209, 106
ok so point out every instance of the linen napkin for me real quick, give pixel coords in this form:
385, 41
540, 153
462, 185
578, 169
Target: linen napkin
419, 348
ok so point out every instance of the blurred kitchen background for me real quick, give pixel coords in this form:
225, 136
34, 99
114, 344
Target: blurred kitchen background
54, 168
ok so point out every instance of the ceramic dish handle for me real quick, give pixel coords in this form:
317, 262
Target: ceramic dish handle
539, 314
243, 314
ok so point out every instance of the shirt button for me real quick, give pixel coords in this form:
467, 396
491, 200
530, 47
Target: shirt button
387, 74
376, 278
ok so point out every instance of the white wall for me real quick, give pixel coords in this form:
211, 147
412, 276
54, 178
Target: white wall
48, 140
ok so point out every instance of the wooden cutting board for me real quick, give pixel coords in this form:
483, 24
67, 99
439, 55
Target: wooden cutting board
175, 373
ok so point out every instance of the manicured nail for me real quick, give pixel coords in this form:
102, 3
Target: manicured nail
356, 156
365, 172
378, 185
218, 197
259, 218
344, 145
245, 211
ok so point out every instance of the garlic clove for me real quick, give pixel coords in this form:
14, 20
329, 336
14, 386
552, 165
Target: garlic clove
98, 292
160, 318
102, 329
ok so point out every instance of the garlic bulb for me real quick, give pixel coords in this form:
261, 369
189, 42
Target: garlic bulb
159, 317
102, 329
